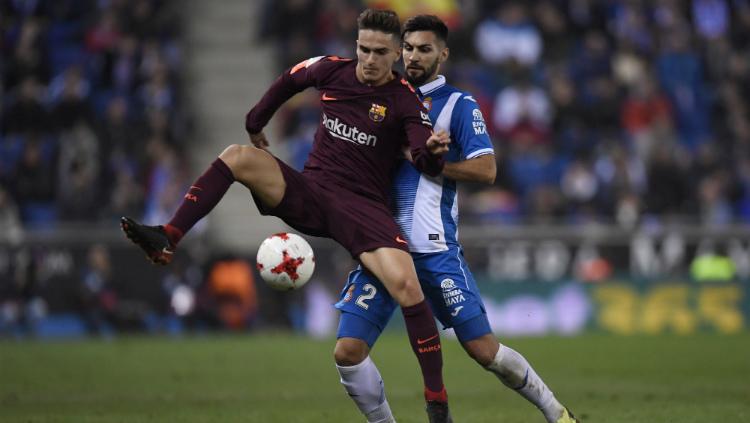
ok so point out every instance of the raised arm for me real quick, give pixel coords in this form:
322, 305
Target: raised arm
293, 80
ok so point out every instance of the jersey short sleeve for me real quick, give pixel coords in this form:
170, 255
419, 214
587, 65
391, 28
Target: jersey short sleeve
470, 130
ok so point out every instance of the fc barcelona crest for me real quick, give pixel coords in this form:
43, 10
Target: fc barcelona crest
377, 112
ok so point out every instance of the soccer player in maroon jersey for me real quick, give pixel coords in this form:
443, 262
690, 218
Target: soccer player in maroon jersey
370, 115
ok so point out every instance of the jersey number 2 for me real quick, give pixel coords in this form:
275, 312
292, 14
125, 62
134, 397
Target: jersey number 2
371, 291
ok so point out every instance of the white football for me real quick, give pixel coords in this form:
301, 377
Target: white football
285, 261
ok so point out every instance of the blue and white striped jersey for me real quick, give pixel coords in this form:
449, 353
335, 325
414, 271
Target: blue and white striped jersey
426, 208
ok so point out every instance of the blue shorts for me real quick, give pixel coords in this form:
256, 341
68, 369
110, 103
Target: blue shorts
448, 286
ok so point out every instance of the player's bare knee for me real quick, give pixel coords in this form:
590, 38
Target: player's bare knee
231, 156
350, 353
406, 291
241, 160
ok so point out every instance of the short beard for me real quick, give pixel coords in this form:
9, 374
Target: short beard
420, 80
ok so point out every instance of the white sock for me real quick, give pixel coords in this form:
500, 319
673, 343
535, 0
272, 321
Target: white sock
516, 373
365, 387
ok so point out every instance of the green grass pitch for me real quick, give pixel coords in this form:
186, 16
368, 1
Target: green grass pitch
263, 378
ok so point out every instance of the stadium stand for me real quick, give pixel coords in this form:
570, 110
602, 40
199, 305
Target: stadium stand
613, 112
93, 123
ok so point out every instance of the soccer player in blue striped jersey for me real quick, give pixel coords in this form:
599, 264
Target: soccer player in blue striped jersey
426, 210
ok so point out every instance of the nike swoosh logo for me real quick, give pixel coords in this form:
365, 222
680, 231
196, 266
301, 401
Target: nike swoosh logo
167, 251
326, 98
422, 341
195, 187
400, 240
457, 310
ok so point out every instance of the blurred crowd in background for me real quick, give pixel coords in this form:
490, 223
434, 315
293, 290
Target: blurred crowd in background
622, 111
616, 111
93, 122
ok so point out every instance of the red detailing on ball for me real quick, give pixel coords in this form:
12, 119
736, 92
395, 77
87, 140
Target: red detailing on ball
259, 266
282, 235
289, 265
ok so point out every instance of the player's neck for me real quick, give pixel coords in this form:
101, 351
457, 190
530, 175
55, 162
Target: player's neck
430, 79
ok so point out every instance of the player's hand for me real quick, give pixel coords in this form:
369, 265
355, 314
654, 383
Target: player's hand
259, 140
438, 143
406, 153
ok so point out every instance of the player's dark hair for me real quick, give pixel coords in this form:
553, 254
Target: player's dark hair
427, 23
380, 20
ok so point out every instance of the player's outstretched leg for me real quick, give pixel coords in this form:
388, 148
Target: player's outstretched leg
359, 375
255, 168
516, 373
160, 242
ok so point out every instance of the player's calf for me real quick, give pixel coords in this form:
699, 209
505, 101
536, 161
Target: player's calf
516, 373
483, 349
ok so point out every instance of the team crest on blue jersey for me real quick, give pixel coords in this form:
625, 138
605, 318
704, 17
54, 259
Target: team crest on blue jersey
427, 103
349, 293
448, 284
377, 112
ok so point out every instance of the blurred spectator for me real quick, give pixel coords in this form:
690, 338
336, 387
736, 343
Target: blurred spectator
631, 25
11, 230
104, 36
711, 18
646, 117
623, 178
681, 74
79, 172
579, 184
522, 112
29, 57
508, 36
69, 94
557, 39
166, 181
97, 299
26, 113
33, 184
668, 188
592, 59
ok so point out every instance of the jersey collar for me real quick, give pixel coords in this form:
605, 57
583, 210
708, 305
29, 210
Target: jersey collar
432, 86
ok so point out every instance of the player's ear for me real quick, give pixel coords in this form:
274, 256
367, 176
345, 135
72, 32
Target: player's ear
398, 45
444, 53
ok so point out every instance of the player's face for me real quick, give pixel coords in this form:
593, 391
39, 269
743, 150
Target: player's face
376, 54
423, 55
